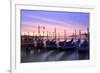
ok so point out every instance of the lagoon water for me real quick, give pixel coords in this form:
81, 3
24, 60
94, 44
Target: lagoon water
53, 55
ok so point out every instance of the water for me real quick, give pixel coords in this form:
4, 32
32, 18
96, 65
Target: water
45, 55
54, 55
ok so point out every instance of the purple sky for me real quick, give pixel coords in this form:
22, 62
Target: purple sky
69, 21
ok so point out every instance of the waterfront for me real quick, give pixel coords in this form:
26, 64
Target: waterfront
37, 49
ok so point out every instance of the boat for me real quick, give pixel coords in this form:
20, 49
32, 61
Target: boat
84, 46
66, 45
40, 44
51, 44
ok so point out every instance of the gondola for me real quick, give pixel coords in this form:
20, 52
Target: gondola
84, 46
51, 44
66, 45
40, 44
27, 45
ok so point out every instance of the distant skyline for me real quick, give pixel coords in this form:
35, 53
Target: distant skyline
69, 21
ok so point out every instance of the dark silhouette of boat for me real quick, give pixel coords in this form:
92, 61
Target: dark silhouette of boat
81, 46
40, 43
51, 44
77, 43
27, 44
66, 45
84, 46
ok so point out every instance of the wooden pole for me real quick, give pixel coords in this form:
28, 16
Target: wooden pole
33, 34
28, 34
43, 32
47, 35
65, 34
88, 33
38, 30
58, 36
55, 33
80, 33
75, 35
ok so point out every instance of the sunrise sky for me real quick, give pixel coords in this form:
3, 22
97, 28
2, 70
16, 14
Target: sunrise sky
69, 21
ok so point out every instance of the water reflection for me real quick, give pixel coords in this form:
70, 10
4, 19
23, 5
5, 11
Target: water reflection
53, 55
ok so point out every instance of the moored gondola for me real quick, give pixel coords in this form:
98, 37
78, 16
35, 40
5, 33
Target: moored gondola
84, 46
51, 44
66, 45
